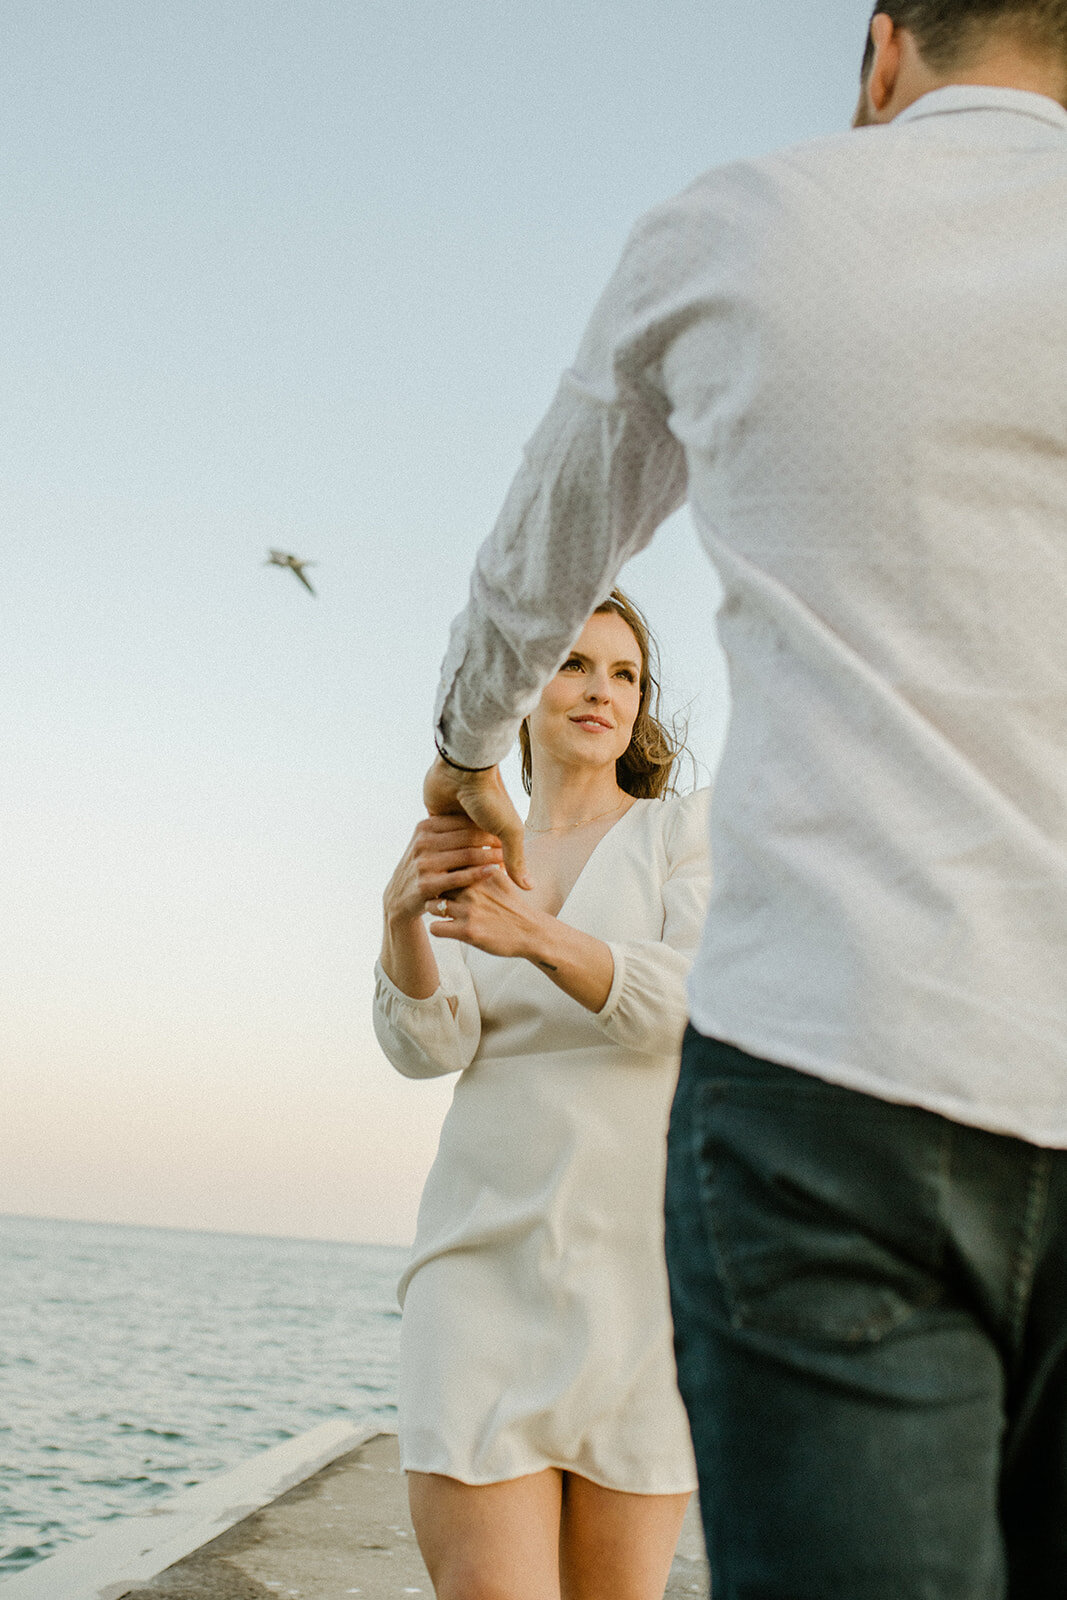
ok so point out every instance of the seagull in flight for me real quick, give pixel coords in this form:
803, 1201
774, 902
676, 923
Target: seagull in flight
281, 558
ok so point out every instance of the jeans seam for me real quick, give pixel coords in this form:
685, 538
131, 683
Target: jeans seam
1024, 1262
944, 1175
696, 1144
734, 1302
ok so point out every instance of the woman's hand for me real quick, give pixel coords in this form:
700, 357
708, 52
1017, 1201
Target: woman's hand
493, 915
446, 855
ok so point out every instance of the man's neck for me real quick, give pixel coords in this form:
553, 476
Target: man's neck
1001, 64
1011, 72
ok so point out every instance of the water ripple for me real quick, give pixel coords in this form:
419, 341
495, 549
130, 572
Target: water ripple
138, 1361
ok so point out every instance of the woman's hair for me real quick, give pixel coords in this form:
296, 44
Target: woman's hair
646, 767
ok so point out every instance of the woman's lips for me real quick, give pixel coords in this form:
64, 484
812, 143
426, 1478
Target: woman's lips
591, 722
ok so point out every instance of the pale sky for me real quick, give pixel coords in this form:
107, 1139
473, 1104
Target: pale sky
299, 273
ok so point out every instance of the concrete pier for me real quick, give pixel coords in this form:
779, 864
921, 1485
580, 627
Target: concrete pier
323, 1517
344, 1533
341, 1532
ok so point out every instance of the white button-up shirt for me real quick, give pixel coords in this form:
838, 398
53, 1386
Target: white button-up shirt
851, 356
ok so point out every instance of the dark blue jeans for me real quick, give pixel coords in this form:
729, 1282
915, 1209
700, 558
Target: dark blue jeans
870, 1308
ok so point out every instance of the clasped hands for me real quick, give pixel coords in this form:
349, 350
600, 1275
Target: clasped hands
455, 871
457, 868
465, 866
480, 798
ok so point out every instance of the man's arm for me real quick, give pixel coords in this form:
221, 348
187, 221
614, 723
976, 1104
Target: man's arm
600, 474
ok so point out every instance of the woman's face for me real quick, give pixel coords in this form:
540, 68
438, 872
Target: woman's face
586, 714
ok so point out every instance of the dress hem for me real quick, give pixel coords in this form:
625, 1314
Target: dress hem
546, 1466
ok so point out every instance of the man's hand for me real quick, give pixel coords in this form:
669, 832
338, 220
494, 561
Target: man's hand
481, 796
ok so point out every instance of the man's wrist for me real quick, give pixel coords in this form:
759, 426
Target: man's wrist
457, 766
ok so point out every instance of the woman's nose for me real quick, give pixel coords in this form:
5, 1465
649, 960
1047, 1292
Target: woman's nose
597, 688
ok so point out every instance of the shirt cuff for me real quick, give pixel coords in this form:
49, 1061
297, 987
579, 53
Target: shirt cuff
618, 983
416, 1002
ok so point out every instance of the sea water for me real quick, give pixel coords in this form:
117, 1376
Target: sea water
136, 1362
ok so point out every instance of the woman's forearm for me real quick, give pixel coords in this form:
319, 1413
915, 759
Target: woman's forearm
407, 957
580, 965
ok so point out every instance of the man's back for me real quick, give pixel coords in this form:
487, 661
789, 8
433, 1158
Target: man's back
870, 383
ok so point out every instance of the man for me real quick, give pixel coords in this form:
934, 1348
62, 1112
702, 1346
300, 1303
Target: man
852, 357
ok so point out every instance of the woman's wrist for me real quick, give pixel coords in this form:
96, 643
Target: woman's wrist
400, 919
407, 958
403, 937
578, 963
539, 940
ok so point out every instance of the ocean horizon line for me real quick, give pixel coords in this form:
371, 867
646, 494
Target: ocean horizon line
209, 1232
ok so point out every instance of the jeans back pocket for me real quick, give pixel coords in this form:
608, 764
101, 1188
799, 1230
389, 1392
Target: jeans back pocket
821, 1205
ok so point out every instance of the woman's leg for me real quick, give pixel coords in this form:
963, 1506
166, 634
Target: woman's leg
494, 1541
616, 1546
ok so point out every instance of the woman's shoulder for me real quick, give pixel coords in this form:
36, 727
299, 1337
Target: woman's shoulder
678, 825
680, 814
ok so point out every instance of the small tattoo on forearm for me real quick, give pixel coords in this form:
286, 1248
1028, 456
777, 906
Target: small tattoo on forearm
548, 967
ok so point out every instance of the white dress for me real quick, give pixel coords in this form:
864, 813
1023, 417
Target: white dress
536, 1329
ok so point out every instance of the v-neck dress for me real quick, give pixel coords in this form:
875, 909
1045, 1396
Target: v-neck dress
536, 1330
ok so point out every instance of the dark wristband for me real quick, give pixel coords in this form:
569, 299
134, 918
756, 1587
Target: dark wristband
455, 765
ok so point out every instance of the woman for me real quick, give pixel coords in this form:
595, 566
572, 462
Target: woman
546, 1446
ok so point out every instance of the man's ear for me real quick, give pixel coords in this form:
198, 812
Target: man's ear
885, 66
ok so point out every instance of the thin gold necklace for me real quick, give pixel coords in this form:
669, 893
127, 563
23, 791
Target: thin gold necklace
565, 827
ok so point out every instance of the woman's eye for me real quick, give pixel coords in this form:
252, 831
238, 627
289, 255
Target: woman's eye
624, 672
569, 666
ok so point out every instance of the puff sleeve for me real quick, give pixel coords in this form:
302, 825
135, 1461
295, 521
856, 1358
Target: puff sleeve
647, 1007
428, 1038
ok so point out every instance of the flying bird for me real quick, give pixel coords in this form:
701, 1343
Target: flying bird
281, 558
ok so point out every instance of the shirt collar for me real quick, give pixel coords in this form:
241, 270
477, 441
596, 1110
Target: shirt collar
984, 97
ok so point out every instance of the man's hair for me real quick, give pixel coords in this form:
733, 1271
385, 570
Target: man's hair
948, 32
